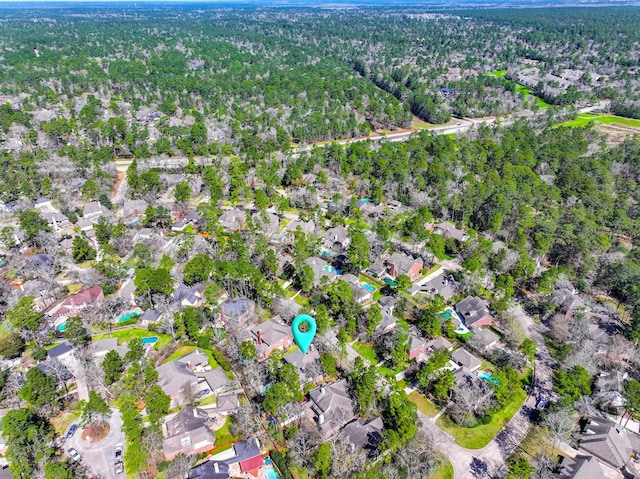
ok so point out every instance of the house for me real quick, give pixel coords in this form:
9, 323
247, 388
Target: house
484, 339
465, 359
92, 211
399, 263
439, 343
447, 230
99, 349
285, 237
474, 312
134, 208
370, 210
72, 305
244, 458
417, 345
226, 404
268, 223
57, 370
237, 311
609, 387
303, 361
43, 204
321, 269
233, 220
580, 467
179, 226
60, 351
336, 239
143, 234
127, 292
185, 296
611, 444
150, 316
442, 285
271, 335
191, 371
388, 323
84, 225
188, 432
361, 294
364, 434
332, 406
56, 220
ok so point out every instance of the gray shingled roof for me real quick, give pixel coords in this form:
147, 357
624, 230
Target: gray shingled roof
465, 359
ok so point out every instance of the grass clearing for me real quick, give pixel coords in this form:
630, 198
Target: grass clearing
444, 471
479, 436
427, 407
63, 420
585, 119
126, 335
223, 435
366, 351
178, 353
519, 88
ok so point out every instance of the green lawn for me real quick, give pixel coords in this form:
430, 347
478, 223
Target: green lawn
479, 436
499, 73
519, 87
366, 351
63, 420
427, 407
585, 119
223, 435
178, 353
445, 471
126, 335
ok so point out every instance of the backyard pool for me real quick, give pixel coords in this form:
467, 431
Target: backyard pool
446, 314
331, 268
128, 316
271, 473
149, 340
62, 327
390, 282
487, 377
368, 287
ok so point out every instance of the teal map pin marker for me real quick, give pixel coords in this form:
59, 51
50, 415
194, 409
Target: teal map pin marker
303, 338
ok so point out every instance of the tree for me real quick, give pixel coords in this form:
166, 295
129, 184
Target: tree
435, 363
247, 349
76, 332
39, 389
81, 250
28, 436
32, 223
306, 278
632, 395
520, 469
7, 237
529, 348
148, 281
358, 250
442, 384
182, 192
321, 460
400, 417
24, 315
198, 269
90, 190
95, 410
374, 318
363, 384
11, 345
260, 200
403, 283
157, 404
572, 384
113, 367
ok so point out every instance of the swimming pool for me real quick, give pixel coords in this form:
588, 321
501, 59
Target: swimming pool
487, 377
62, 327
446, 314
368, 287
390, 282
149, 340
271, 473
128, 316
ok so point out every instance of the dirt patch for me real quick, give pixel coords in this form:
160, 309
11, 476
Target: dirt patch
95, 432
119, 177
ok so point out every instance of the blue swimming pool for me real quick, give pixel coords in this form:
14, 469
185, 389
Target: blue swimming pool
487, 377
149, 340
128, 316
446, 314
271, 473
62, 327
368, 287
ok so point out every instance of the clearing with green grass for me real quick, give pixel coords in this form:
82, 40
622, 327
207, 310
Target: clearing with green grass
366, 351
427, 407
586, 119
519, 87
479, 436
126, 335
444, 471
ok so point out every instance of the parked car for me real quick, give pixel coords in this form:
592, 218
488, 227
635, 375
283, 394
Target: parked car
118, 451
71, 431
118, 467
203, 393
542, 403
74, 454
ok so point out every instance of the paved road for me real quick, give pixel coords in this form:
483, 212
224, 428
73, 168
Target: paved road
99, 457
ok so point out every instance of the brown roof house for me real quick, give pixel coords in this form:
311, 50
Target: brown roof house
474, 312
72, 305
332, 406
580, 467
233, 220
188, 432
448, 230
191, 371
271, 335
399, 263
613, 445
417, 344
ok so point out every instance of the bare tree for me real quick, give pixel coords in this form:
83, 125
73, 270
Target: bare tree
246, 421
300, 447
559, 424
418, 458
188, 393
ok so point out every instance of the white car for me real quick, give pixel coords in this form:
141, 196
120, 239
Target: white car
118, 451
74, 454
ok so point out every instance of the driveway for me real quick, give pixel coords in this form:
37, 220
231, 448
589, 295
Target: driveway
99, 457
